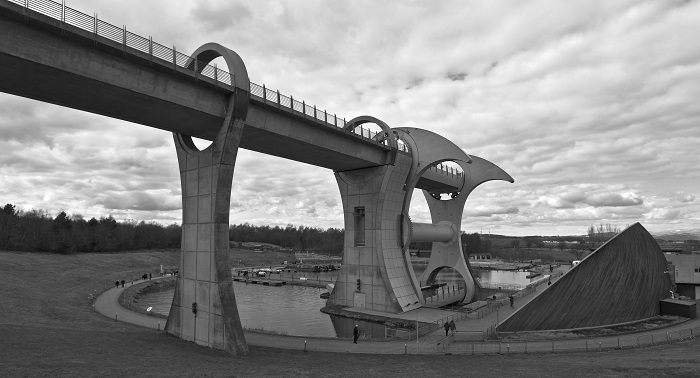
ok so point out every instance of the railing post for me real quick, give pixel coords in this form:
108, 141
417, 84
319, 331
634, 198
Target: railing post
325, 116
216, 76
291, 102
124, 39
150, 49
303, 107
265, 102
335, 119
279, 101
315, 117
94, 29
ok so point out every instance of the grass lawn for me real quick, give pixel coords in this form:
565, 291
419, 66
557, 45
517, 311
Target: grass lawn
48, 328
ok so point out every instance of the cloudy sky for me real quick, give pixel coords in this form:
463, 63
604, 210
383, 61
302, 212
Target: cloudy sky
592, 107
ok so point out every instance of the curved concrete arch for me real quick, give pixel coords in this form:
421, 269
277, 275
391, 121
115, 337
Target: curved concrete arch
430, 149
387, 132
239, 73
435, 272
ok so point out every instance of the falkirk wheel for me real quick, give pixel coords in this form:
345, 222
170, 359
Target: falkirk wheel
377, 273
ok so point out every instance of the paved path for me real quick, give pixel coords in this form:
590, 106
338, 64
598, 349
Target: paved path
108, 305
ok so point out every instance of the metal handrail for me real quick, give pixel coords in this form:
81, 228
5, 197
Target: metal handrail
171, 56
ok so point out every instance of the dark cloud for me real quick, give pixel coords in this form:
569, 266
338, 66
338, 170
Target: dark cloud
139, 201
613, 199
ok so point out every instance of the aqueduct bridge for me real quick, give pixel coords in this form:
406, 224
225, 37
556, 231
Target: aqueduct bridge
53, 53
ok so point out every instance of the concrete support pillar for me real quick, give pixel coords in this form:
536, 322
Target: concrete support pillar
375, 274
204, 306
205, 275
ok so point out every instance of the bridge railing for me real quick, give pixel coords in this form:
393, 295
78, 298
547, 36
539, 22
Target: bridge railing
170, 56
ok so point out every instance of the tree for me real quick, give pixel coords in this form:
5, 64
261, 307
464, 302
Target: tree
62, 222
515, 243
578, 253
562, 245
9, 209
471, 244
601, 233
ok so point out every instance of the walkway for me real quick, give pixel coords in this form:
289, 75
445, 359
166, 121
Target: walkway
108, 304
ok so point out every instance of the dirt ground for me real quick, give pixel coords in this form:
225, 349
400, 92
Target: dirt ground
48, 328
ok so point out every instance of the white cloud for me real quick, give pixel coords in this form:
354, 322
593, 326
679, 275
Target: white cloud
590, 106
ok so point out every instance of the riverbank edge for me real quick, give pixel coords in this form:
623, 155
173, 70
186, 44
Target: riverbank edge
131, 294
387, 321
608, 330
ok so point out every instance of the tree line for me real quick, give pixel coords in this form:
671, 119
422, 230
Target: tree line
36, 230
294, 237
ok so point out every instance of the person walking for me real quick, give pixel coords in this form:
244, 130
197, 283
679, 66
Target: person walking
447, 328
355, 334
453, 327
122, 283
512, 300
116, 283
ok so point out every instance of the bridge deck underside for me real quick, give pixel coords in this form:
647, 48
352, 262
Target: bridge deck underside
42, 62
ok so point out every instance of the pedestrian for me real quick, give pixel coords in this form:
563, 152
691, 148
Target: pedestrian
512, 300
550, 268
149, 275
549, 283
122, 283
116, 283
447, 328
355, 334
453, 327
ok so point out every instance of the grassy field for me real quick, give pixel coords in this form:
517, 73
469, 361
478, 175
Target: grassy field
47, 328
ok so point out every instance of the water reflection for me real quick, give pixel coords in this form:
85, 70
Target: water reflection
505, 277
292, 310
295, 310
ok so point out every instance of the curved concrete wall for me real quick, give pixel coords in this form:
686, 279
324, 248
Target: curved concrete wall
621, 281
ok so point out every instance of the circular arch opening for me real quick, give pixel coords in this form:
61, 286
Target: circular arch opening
454, 175
444, 278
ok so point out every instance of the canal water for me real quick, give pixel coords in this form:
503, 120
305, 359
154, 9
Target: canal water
295, 310
507, 277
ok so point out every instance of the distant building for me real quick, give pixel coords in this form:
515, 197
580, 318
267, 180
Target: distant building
686, 272
480, 256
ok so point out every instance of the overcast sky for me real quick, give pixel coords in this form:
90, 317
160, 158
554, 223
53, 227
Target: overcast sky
592, 107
